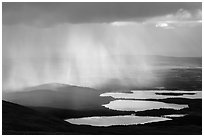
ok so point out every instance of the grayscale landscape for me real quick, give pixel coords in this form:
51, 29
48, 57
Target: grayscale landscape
102, 68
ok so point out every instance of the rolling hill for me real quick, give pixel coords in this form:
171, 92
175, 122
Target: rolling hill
57, 96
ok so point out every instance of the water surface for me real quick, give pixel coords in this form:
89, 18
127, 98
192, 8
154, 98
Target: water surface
151, 94
174, 115
122, 104
139, 105
115, 120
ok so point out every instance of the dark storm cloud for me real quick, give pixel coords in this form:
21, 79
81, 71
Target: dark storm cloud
46, 14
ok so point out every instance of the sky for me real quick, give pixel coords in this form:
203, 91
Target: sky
46, 14
90, 43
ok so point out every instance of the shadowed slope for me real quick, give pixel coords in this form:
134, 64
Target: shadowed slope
17, 119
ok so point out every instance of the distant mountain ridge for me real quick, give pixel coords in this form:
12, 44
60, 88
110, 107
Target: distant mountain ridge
57, 96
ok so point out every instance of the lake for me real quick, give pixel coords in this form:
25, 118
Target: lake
152, 94
115, 120
138, 105
134, 101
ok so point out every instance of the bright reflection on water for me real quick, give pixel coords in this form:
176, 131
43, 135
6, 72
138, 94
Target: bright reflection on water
115, 120
136, 105
174, 115
151, 94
